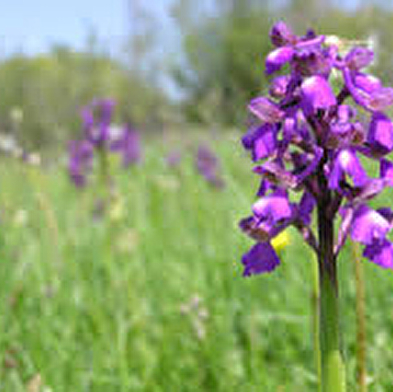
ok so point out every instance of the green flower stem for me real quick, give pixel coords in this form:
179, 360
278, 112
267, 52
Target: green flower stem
360, 319
332, 364
314, 318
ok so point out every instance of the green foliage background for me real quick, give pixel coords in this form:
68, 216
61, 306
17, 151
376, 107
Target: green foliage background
97, 304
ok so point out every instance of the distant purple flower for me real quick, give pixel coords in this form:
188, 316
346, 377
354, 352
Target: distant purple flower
173, 158
100, 138
128, 145
307, 139
80, 161
207, 164
97, 118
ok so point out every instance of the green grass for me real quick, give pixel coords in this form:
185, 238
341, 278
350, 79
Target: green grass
96, 305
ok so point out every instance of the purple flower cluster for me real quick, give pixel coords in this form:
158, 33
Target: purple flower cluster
310, 140
101, 136
207, 164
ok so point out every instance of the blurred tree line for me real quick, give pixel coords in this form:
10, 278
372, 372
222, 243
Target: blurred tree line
217, 69
224, 43
42, 95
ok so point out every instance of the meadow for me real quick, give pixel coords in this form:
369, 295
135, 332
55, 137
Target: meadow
149, 296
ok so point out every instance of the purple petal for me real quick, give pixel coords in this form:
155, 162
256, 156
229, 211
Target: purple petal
259, 259
367, 91
381, 99
262, 141
386, 171
282, 35
380, 253
346, 221
275, 172
273, 208
316, 94
367, 83
371, 189
279, 86
276, 59
266, 144
387, 213
345, 113
266, 110
380, 134
264, 187
255, 230
312, 164
310, 45
368, 225
359, 58
306, 207
346, 162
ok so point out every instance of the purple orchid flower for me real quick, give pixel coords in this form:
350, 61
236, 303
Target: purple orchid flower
307, 139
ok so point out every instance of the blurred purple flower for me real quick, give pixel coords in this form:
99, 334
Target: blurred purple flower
80, 161
173, 158
101, 137
128, 145
97, 118
207, 164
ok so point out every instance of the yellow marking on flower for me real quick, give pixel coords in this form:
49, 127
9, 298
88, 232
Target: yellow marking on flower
281, 241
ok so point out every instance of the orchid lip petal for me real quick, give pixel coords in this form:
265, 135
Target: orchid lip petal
380, 253
261, 258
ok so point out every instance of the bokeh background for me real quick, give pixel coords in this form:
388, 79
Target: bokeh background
146, 293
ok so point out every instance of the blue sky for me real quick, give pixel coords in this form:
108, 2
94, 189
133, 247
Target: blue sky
33, 25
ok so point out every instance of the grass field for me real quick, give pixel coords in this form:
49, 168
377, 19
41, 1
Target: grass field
150, 297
